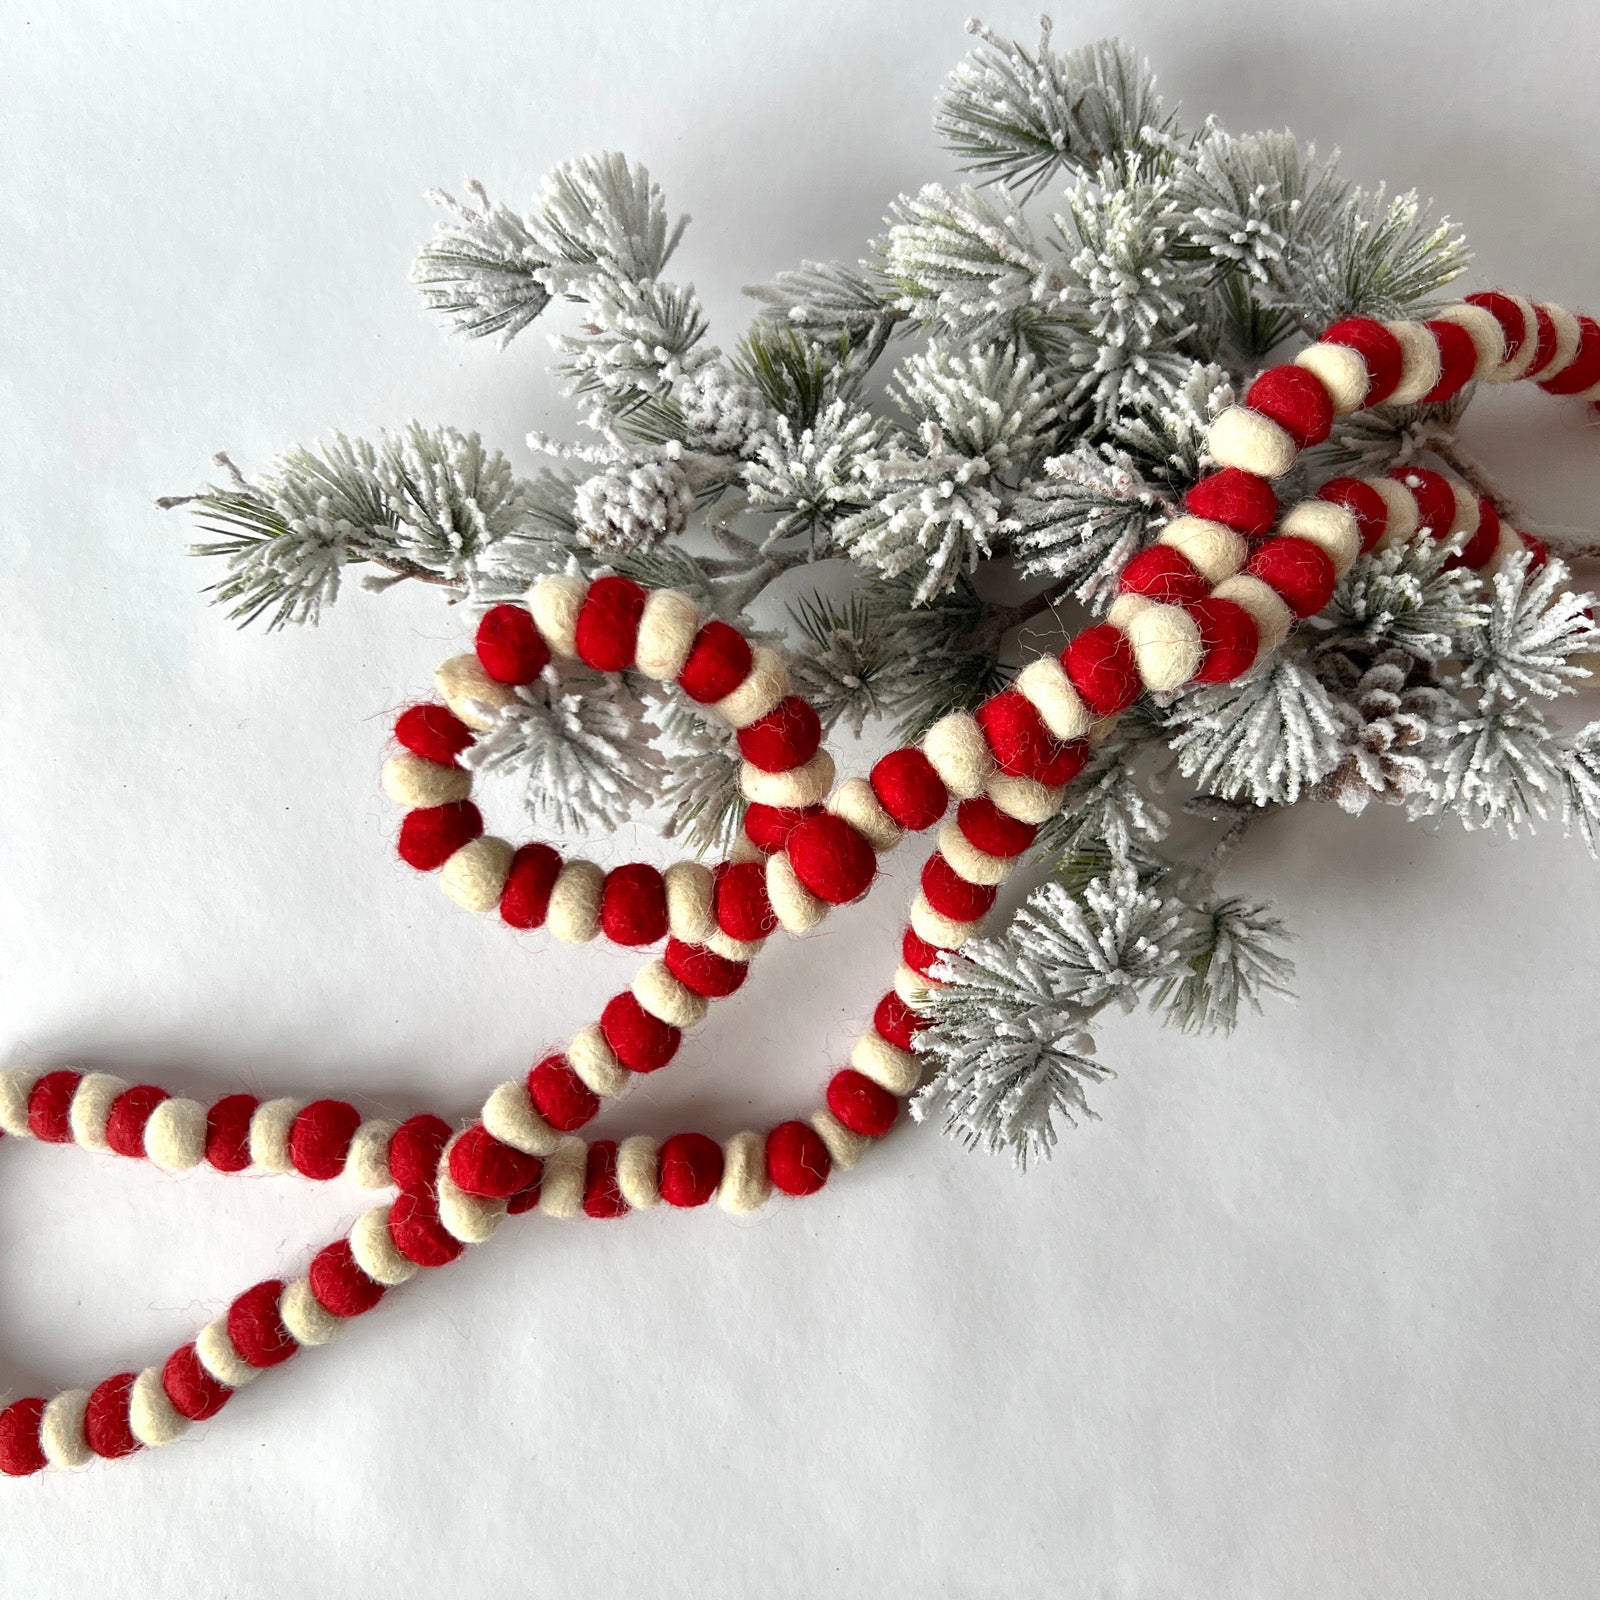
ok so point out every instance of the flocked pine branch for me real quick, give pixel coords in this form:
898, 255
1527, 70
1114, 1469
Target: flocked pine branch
1006, 1032
1064, 329
1498, 768
699, 780
482, 270
832, 305
1268, 739
965, 261
853, 664
581, 748
1235, 958
809, 478
1124, 293
1019, 117
1109, 823
1408, 596
1096, 505
429, 504
941, 506
1386, 258
794, 374
1580, 786
1260, 204
1535, 633
1081, 522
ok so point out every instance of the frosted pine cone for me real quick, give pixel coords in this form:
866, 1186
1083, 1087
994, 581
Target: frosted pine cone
1385, 726
633, 505
723, 413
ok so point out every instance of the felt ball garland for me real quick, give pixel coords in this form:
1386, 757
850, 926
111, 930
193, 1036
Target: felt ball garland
1230, 580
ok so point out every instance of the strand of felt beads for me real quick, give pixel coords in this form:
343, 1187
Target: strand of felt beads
1219, 589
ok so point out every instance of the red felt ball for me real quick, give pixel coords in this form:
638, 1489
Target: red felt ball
602, 1195
951, 895
918, 954
341, 1288
1583, 371
418, 1234
526, 896
1023, 746
641, 1042
319, 1138
787, 737
743, 910
797, 1159
690, 1169
1514, 329
20, 1451
414, 1151
1101, 665
1161, 573
701, 969
1480, 548
831, 859
608, 624
1297, 571
1295, 399
255, 1325
863, 1106
633, 905
768, 827
105, 1419
510, 646
718, 662
1536, 548
1378, 348
50, 1106
560, 1096
433, 732
1369, 508
1436, 500
431, 835
129, 1113
1545, 342
194, 1393
1229, 640
480, 1164
986, 827
1238, 499
1458, 359
896, 1021
909, 789
228, 1132
523, 1200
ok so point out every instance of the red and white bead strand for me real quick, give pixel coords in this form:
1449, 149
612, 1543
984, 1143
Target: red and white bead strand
1008, 764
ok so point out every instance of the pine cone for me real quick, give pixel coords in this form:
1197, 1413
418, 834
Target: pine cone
633, 505
722, 413
1386, 722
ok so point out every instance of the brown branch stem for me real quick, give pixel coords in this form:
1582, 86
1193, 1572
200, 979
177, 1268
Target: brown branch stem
1002, 619
406, 569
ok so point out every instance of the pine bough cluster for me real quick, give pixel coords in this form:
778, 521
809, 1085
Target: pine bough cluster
1020, 371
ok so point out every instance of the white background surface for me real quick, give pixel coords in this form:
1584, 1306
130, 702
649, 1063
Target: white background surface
1312, 1312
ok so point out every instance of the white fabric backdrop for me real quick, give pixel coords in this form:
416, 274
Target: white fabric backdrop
1312, 1311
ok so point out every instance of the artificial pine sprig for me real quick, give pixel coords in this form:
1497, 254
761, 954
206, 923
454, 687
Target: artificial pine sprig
1016, 380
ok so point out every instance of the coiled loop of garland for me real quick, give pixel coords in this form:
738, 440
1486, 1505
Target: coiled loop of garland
1218, 590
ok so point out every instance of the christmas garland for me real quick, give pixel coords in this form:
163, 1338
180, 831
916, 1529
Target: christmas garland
1201, 605
1222, 587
